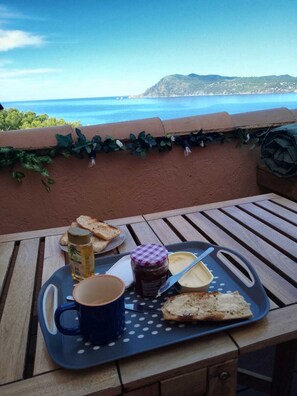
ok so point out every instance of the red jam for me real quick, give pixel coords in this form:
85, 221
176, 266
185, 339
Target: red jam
150, 268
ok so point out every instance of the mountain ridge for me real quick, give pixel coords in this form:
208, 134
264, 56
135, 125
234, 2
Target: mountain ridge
215, 84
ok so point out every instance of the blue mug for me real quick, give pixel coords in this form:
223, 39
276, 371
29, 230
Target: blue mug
99, 301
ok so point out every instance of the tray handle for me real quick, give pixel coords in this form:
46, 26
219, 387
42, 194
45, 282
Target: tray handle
250, 278
49, 305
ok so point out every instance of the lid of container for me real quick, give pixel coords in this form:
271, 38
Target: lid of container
79, 236
150, 254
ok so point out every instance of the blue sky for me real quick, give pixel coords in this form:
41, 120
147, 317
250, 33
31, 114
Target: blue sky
92, 48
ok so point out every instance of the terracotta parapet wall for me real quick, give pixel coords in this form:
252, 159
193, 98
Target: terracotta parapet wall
37, 138
208, 123
264, 118
122, 130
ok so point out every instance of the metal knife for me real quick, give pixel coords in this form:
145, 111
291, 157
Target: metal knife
174, 278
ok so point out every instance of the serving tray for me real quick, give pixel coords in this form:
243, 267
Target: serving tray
146, 331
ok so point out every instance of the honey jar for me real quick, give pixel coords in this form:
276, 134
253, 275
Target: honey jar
81, 255
150, 268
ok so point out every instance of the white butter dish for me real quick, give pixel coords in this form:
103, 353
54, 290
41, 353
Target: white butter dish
197, 279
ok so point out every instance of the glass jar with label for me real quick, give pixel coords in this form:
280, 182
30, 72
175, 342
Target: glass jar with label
81, 255
150, 268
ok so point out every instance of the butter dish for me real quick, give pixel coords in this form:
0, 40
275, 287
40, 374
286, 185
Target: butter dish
197, 279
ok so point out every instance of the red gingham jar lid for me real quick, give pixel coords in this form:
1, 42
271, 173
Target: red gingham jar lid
150, 254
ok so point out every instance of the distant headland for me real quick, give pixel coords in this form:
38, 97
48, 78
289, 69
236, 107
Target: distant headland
213, 84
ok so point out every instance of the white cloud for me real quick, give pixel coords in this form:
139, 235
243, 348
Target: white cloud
25, 72
10, 39
4, 62
7, 14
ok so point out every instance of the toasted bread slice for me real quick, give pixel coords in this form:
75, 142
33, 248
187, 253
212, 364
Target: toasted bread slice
215, 306
98, 244
99, 228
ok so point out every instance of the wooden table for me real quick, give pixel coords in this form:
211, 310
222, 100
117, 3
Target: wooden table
261, 228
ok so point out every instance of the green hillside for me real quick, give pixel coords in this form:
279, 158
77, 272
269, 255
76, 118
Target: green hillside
212, 84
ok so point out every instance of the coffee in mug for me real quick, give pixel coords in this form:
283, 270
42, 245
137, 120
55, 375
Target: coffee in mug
99, 301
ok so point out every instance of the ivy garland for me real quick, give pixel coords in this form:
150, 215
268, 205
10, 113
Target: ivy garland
35, 160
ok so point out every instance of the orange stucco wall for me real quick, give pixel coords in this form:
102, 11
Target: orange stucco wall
121, 185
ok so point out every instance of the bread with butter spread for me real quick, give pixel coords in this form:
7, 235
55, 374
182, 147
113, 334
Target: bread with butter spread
214, 306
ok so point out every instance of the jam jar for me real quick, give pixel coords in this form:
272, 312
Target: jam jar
150, 268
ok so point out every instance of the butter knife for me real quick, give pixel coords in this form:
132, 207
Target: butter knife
174, 278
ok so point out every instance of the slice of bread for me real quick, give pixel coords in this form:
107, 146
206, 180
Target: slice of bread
98, 244
215, 306
99, 228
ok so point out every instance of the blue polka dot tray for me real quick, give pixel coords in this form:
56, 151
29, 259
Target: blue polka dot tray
146, 331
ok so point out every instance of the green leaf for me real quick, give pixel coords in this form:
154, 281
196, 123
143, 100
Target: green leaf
47, 187
64, 141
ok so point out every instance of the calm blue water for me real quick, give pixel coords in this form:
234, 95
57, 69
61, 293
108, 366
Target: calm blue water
92, 111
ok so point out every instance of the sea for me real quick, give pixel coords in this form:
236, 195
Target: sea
103, 110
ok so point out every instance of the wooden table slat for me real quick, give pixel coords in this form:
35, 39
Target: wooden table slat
6, 251
268, 331
15, 321
276, 222
185, 229
199, 208
20, 236
270, 234
96, 381
285, 202
54, 259
279, 210
144, 233
281, 289
164, 232
129, 243
276, 258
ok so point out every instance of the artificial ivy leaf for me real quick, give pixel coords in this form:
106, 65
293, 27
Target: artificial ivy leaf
47, 187
46, 158
79, 133
141, 135
64, 141
66, 153
18, 176
6, 150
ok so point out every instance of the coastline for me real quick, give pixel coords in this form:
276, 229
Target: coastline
105, 110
